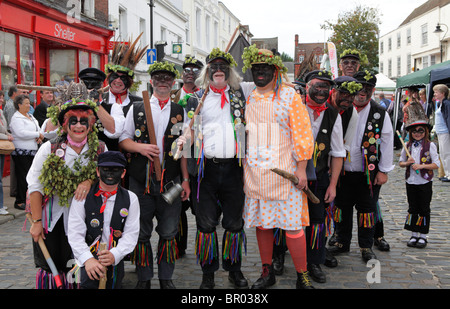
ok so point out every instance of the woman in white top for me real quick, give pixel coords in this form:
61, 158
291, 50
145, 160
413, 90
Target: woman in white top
26, 133
4, 135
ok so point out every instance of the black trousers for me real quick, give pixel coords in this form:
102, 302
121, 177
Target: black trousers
316, 231
111, 283
167, 216
419, 200
220, 194
22, 165
353, 191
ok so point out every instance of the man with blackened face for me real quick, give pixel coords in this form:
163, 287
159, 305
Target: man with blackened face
275, 118
327, 160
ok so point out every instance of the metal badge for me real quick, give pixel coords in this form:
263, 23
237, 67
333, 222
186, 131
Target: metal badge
95, 223
138, 133
124, 212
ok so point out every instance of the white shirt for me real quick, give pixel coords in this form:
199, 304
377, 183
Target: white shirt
160, 121
414, 177
117, 114
337, 149
34, 185
24, 131
355, 162
217, 128
78, 229
350, 133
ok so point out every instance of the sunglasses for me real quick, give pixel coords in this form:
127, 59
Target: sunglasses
350, 62
419, 131
191, 70
162, 78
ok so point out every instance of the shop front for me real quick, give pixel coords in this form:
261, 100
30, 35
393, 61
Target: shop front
39, 46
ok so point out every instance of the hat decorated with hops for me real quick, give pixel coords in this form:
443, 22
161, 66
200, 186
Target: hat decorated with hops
165, 66
348, 84
324, 75
252, 55
356, 54
125, 57
365, 77
192, 61
216, 53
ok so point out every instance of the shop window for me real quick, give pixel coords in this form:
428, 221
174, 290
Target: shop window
27, 61
8, 55
83, 60
95, 61
62, 66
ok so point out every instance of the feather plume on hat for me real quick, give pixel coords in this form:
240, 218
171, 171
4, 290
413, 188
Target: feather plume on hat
125, 57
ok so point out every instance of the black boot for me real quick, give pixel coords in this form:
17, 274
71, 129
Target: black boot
317, 273
207, 281
166, 284
278, 263
238, 279
267, 278
143, 285
303, 281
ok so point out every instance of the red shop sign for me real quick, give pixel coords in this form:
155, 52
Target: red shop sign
61, 31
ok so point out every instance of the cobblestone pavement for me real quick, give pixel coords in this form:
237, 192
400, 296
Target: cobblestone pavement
400, 268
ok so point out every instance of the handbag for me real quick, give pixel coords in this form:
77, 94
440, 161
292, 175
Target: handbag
6, 147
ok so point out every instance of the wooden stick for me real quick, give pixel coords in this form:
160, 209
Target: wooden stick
53, 89
102, 282
404, 147
294, 180
151, 132
232, 38
48, 258
187, 132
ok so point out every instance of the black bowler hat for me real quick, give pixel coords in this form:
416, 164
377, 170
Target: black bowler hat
112, 158
320, 74
92, 73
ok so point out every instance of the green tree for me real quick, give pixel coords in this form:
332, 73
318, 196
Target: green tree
357, 29
286, 58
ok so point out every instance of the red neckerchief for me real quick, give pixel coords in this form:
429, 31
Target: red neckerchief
187, 91
162, 103
318, 109
222, 93
119, 96
106, 195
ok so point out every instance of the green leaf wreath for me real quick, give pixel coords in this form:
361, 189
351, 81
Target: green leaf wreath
252, 55
56, 177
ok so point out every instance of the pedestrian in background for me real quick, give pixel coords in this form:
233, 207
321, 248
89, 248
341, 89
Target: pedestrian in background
419, 175
4, 135
442, 125
25, 130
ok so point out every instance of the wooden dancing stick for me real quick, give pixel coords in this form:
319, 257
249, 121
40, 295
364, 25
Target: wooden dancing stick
187, 132
151, 132
294, 180
102, 282
48, 258
404, 147
53, 89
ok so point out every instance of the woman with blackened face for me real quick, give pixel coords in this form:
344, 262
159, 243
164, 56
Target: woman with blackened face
263, 75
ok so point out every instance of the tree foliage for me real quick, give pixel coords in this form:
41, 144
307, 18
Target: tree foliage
357, 29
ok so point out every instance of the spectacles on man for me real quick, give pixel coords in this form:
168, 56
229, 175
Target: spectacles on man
350, 62
191, 70
162, 77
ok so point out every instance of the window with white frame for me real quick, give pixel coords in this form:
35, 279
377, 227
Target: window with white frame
88, 8
399, 66
399, 40
408, 36
198, 26
424, 31
408, 64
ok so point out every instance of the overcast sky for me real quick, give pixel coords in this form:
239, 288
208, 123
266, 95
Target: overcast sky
286, 18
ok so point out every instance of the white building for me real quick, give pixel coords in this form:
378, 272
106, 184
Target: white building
197, 26
414, 45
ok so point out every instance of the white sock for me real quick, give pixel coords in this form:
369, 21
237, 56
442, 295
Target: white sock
415, 234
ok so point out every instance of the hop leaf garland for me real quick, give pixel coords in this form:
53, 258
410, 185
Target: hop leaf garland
56, 177
351, 87
163, 66
362, 58
118, 68
252, 55
216, 52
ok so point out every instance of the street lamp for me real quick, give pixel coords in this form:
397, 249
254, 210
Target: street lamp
151, 4
438, 31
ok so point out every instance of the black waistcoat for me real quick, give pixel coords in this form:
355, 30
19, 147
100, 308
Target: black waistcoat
370, 144
113, 144
323, 139
138, 163
94, 219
